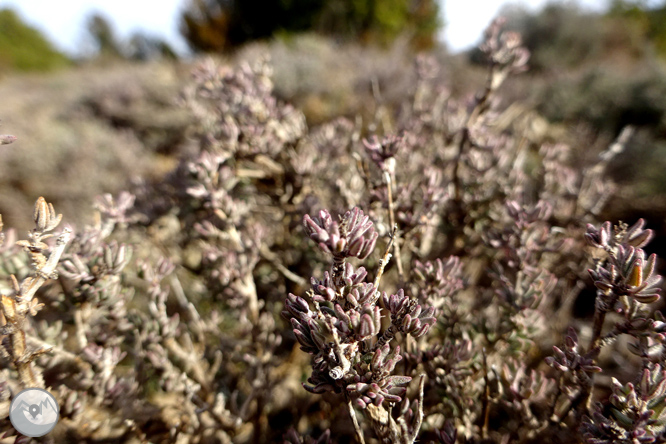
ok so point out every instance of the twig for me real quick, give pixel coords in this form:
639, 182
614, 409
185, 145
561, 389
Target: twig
48, 270
592, 175
558, 390
390, 179
419, 409
17, 308
357, 428
267, 254
81, 337
486, 396
185, 304
381, 114
479, 108
383, 262
598, 323
65, 356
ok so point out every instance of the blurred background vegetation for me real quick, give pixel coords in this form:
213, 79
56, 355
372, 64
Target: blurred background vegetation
218, 25
23, 48
116, 110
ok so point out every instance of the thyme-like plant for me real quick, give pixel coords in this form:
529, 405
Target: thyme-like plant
431, 256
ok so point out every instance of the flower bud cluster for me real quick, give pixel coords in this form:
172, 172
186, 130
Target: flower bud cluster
374, 384
521, 385
637, 412
383, 153
351, 353
238, 112
625, 272
352, 289
568, 359
407, 315
353, 236
439, 280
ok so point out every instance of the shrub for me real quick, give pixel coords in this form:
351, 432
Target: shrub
427, 274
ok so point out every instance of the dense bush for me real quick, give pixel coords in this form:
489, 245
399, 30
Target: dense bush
566, 37
559, 36
120, 120
140, 46
599, 72
426, 265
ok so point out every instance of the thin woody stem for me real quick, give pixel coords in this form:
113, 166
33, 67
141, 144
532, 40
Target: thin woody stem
49, 268
419, 409
357, 427
486, 397
390, 180
383, 262
17, 308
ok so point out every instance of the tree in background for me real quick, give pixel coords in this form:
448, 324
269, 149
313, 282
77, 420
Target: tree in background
382, 21
649, 21
140, 46
25, 48
144, 47
220, 25
103, 36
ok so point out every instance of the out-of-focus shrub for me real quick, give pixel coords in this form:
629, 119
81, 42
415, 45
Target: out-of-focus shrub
325, 78
94, 128
559, 36
598, 72
103, 36
564, 36
608, 101
382, 21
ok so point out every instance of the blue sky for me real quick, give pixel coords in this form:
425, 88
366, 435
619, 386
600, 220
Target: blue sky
63, 21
